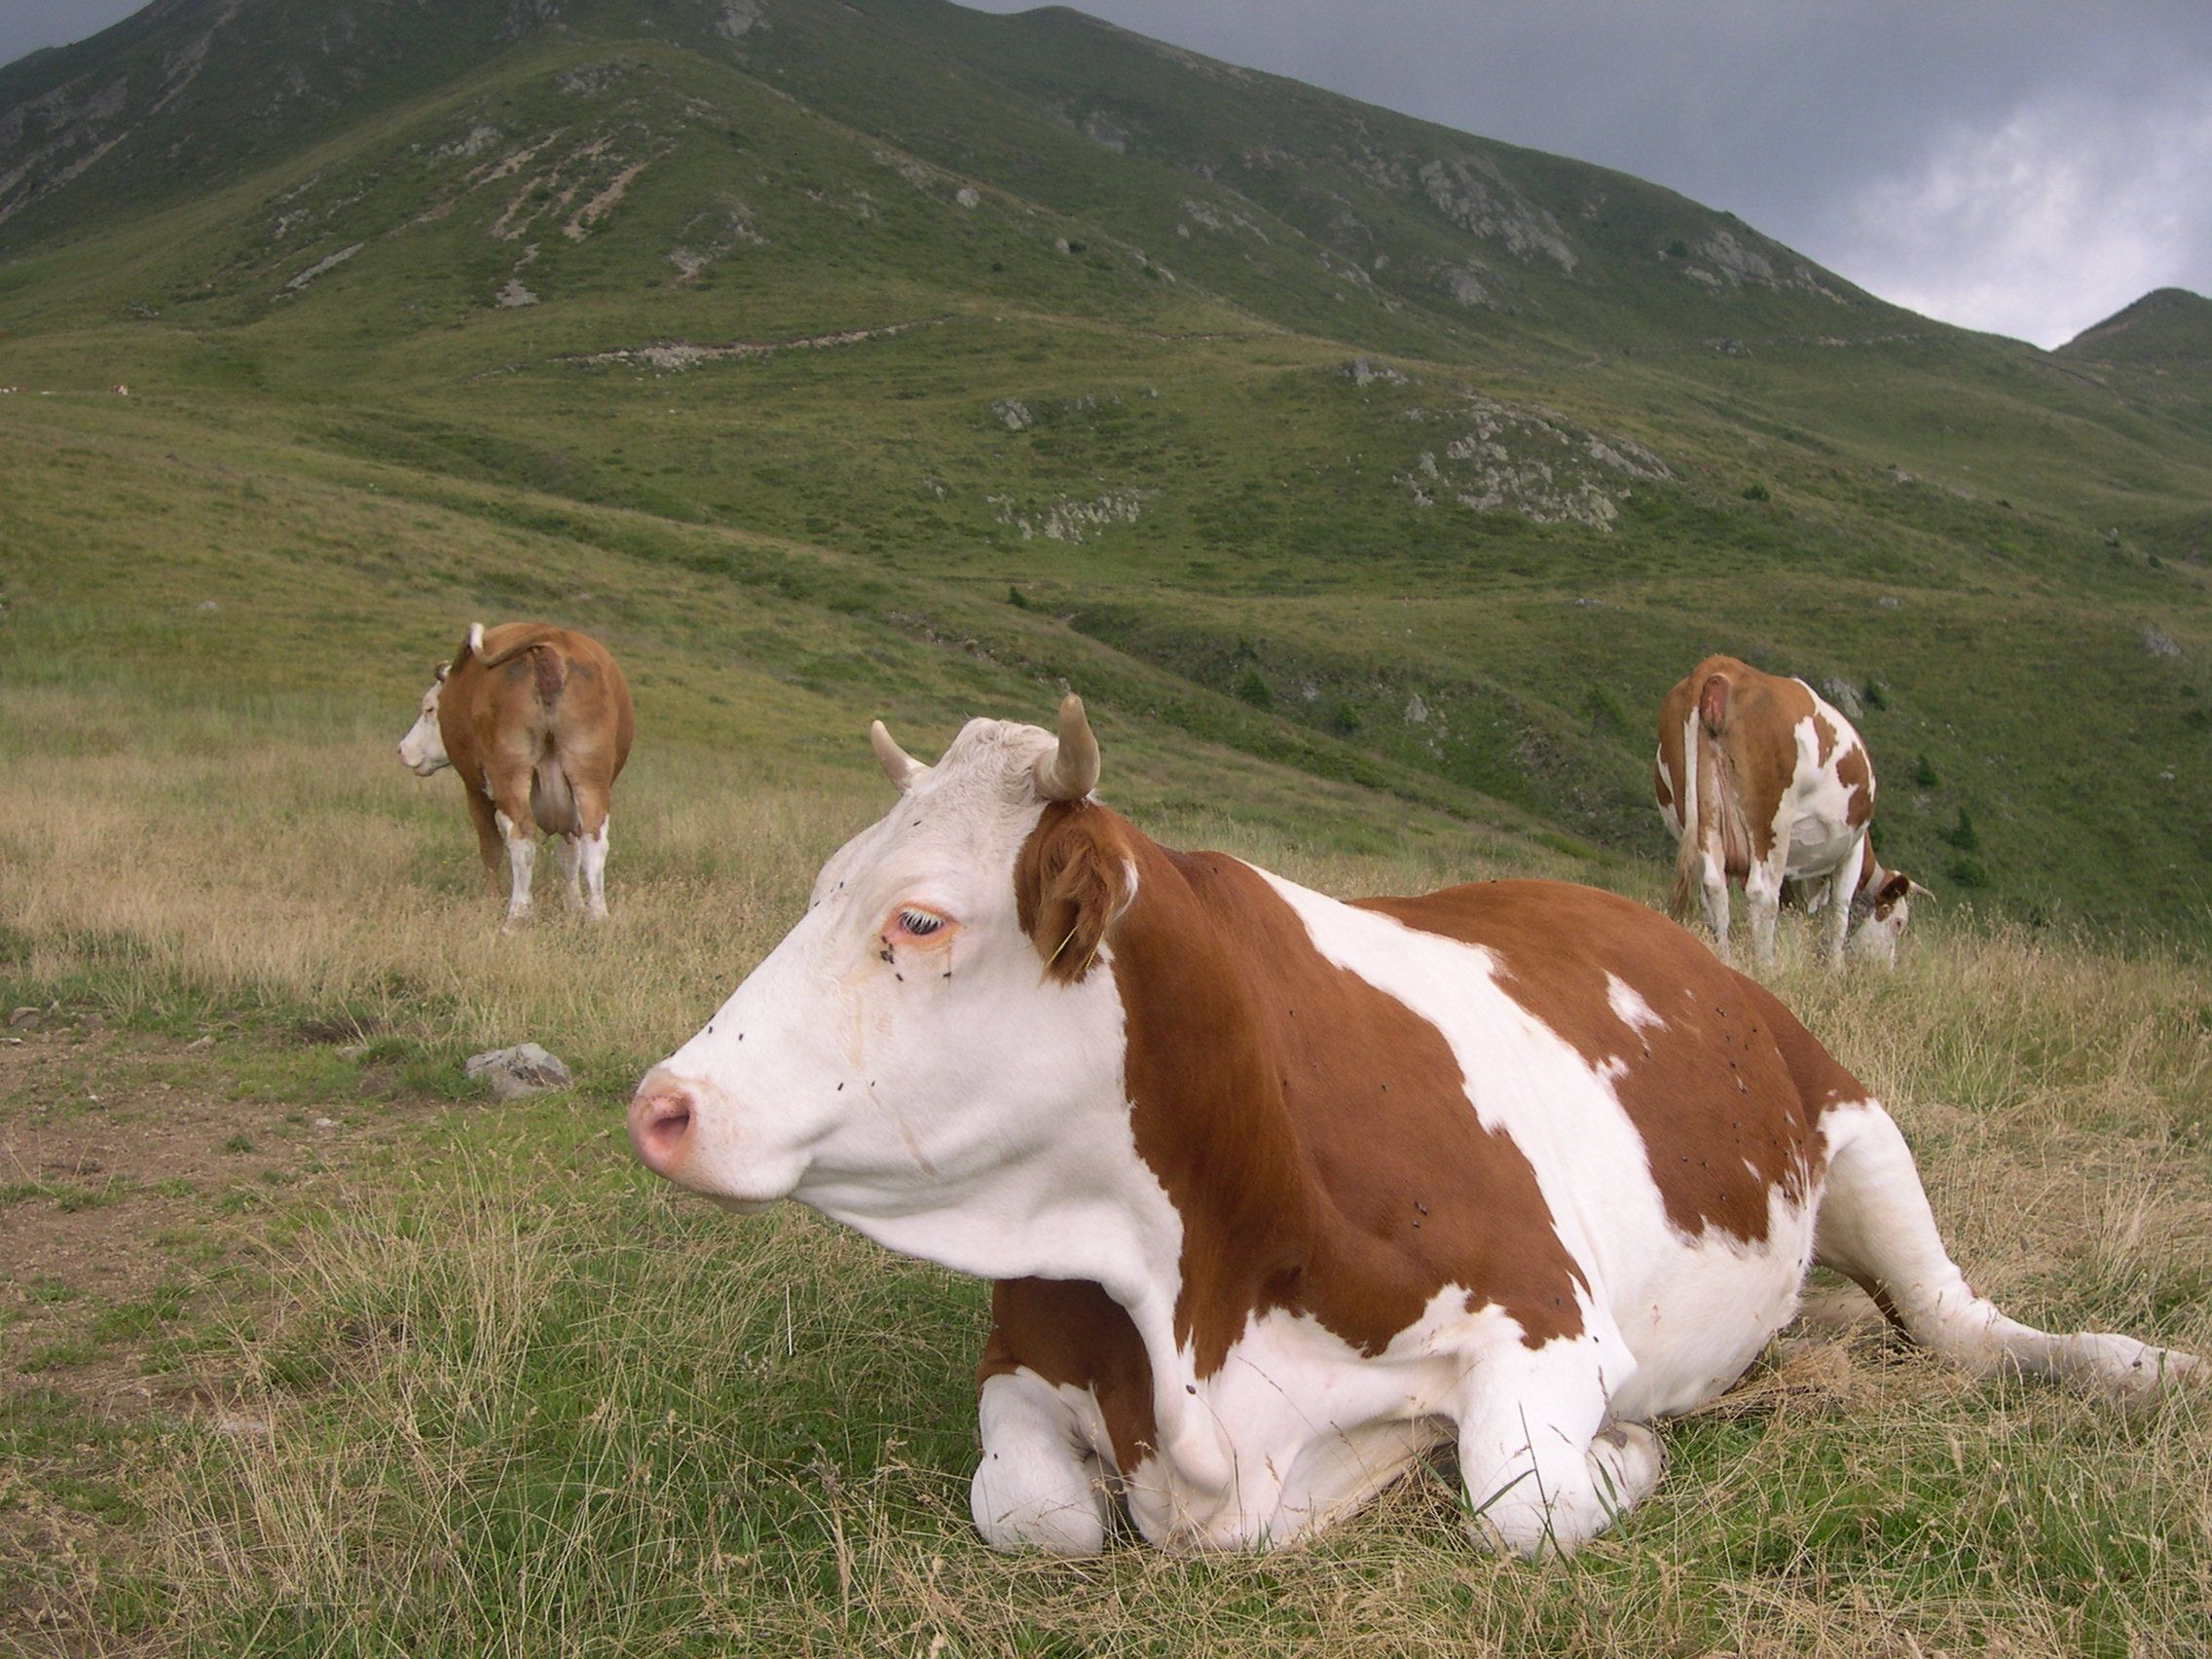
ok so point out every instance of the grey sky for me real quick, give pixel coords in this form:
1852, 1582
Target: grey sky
2026, 167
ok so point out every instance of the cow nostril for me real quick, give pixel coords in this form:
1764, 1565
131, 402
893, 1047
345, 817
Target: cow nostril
660, 1123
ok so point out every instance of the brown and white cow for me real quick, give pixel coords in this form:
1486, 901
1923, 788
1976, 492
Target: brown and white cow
1762, 782
535, 721
1280, 1193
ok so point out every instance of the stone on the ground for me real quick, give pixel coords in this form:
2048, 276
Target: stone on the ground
24, 1020
524, 1069
199, 1045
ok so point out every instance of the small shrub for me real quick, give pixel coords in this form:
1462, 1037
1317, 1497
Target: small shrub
1755, 493
1343, 719
1014, 599
1968, 872
1253, 690
1963, 835
1924, 773
1874, 695
1676, 248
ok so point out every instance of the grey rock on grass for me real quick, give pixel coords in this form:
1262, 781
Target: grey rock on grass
524, 1069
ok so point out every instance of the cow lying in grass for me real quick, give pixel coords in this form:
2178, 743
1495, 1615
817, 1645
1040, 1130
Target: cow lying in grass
535, 722
1280, 1193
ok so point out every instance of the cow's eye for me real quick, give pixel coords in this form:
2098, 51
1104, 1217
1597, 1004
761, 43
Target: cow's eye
920, 924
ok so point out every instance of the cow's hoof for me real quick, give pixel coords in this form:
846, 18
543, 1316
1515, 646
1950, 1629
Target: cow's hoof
515, 921
595, 916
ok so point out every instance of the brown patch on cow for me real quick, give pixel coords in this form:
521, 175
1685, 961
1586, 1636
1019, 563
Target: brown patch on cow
1070, 1330
1726, 1093
1312, 1132
1894, 890
1068, 889
1856, 775
1661, 790
502, 726
1824, 737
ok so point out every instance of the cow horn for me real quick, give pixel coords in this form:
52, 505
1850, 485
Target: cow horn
1069, 769
1916, 889
901, 767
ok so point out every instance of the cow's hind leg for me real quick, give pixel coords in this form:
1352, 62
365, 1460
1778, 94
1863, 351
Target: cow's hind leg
1545, 1470
592, 801
1762, 903
1039, 1486
569, 848
510, 801
1874, 1226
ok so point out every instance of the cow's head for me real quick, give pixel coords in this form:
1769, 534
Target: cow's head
1883, 911
932, 1025
423, 751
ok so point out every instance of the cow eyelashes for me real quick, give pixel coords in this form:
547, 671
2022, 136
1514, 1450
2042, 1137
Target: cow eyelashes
919, 924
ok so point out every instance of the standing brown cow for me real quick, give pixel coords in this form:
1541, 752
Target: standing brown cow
1767, 784
536, 721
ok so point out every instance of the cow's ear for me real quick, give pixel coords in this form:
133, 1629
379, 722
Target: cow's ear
1070, 883
1895, 888
439, 671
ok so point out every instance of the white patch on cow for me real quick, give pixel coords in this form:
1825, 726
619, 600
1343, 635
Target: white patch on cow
423, 751
595, 873
1691, 1312
1629, 1007
521, 858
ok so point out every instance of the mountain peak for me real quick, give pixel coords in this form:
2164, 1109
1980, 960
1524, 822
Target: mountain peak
2165, 326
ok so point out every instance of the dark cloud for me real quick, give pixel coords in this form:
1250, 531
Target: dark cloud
2007, 165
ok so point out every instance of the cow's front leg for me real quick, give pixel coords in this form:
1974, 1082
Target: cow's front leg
1544, 1468
1040, 1486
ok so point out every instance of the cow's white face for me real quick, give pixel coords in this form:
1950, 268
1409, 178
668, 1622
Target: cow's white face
1875, 937
904, 1046
423, 751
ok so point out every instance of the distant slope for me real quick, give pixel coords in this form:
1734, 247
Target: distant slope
1420, 460
2160, 348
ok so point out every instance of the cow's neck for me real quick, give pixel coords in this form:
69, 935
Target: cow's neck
1261, 1077
1872, 877
1206, 1091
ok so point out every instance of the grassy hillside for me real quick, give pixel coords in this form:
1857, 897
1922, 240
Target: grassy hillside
1450, 456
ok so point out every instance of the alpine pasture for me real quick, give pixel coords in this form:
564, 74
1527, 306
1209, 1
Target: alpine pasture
307, 1347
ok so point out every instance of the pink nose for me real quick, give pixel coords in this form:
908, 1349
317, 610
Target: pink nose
660, 1124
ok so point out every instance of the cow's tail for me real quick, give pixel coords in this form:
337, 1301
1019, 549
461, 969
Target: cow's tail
552, 668
1875, 1226
1713, 818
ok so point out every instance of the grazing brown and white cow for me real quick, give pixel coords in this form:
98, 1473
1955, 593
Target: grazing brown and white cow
1764, 782
535, 721
1281, 1193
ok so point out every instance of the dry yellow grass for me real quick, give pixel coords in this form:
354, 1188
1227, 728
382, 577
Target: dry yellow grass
522, 1402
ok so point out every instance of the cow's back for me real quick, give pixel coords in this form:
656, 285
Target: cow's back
559, 696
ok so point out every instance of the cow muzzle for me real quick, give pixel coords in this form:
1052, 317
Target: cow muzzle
662, 1120
666, 1133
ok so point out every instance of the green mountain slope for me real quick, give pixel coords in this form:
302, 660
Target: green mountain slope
1399, 455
